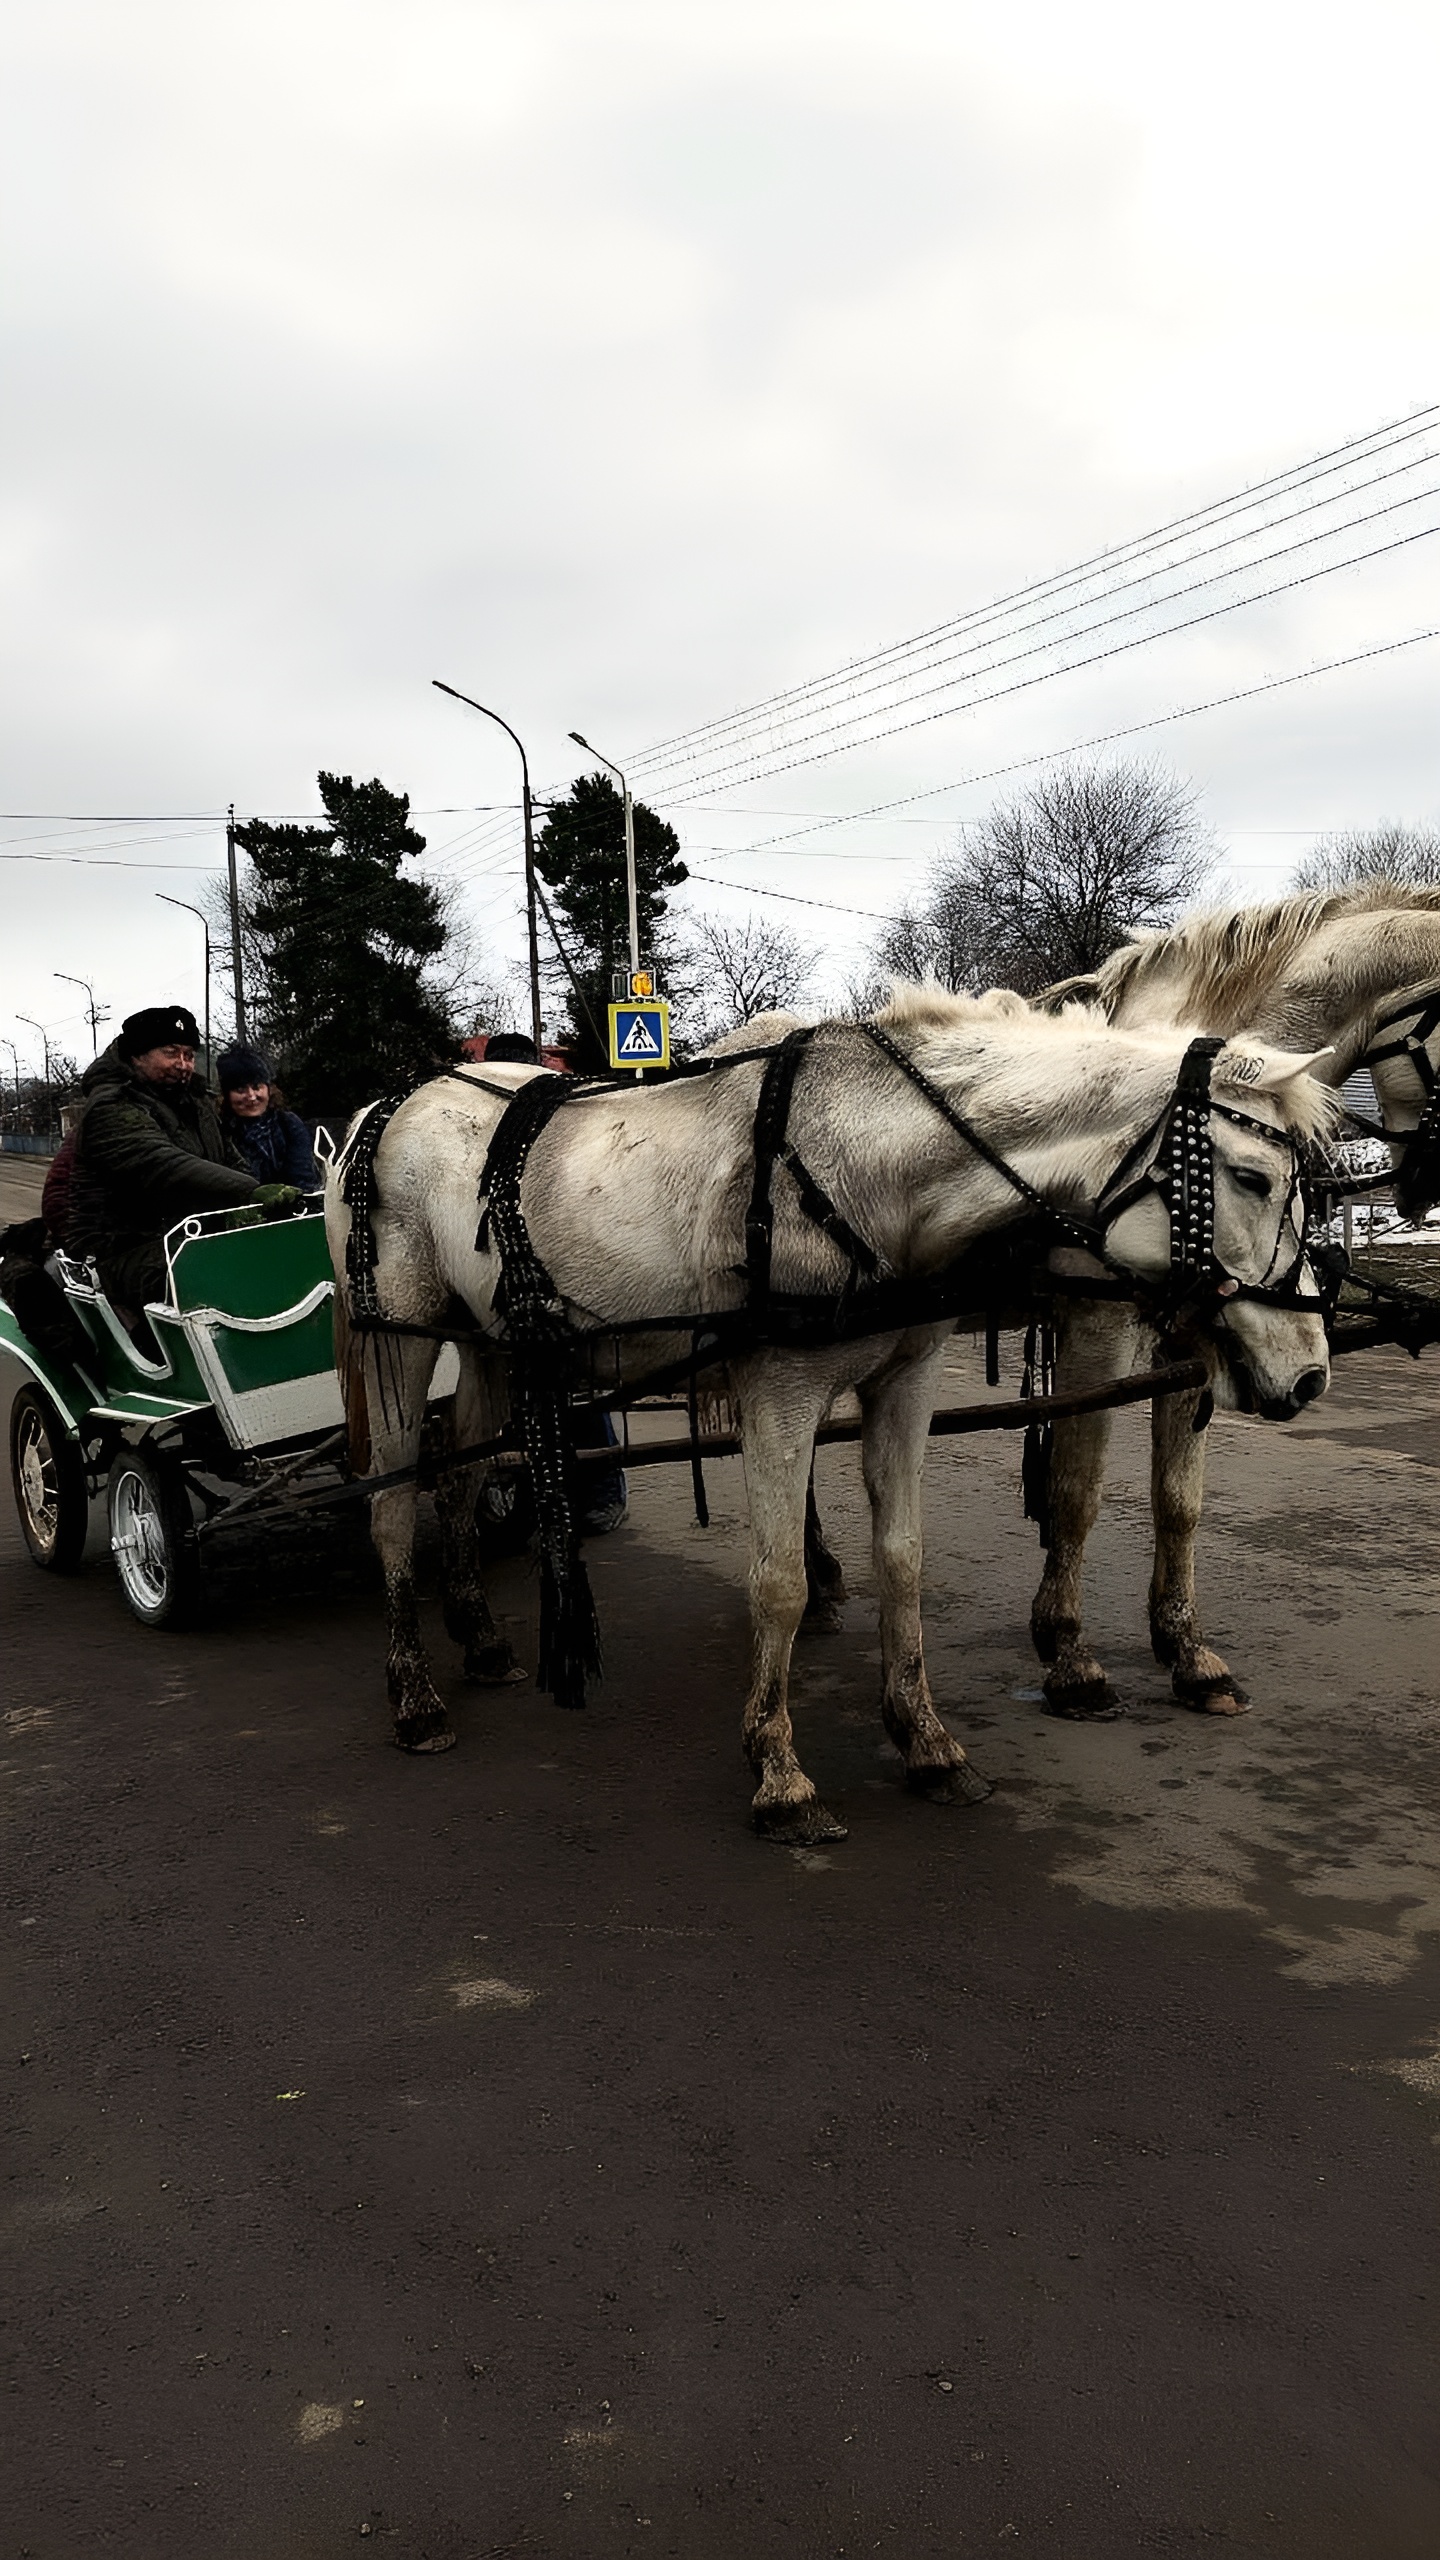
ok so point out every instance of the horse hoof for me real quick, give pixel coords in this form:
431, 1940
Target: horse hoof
1082, 1701
798, 1826
1221, 1696
493, 1666
424, 1733
958, 1785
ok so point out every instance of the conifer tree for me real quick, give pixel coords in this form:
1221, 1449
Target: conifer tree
346, 941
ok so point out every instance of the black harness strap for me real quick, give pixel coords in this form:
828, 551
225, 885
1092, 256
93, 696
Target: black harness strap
772, 1114
540, 1379
1192, 1166
357, 1190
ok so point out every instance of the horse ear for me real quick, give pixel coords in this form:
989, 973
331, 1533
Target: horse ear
1264, 1070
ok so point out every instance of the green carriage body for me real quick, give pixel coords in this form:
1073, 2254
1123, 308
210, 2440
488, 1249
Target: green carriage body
226, 1413
244, 1332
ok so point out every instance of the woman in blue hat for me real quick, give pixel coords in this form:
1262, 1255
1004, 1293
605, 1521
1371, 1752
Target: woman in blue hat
273, 1142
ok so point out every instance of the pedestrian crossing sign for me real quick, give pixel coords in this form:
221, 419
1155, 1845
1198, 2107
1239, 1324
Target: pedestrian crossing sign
640, 1034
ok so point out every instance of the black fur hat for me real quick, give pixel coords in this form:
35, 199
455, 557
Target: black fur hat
159, 1026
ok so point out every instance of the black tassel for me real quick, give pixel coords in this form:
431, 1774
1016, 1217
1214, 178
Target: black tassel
569, 1629
1035, 1476
569, 1633
1038, 1452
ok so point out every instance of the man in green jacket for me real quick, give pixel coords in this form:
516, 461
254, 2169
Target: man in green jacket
150, 1150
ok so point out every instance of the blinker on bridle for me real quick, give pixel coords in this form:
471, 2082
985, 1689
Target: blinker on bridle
1182, 1171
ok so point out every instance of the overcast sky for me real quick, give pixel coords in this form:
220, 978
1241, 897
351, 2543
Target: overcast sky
624, 361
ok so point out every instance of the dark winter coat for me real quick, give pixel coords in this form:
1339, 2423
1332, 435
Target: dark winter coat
55, 1198
146, 1155
276, 1147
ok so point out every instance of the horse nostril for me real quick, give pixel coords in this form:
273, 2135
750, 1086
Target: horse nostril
1310, 1384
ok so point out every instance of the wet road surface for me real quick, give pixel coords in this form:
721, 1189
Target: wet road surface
507, 2155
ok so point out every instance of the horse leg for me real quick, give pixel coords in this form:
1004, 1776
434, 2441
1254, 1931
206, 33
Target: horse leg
896, 1412
1096, 1344
489, 1658
1199, 1676
825, 1592
397, 1373
778, 1438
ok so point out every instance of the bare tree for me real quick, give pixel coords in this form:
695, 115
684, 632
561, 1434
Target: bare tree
741, 970
1387, 852
1048, 883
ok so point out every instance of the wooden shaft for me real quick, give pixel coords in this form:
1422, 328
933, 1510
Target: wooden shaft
1184, 1377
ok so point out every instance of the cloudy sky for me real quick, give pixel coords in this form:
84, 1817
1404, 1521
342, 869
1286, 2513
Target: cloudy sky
625, 362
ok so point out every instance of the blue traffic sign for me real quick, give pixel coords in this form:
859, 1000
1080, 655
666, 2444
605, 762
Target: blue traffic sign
640, 1034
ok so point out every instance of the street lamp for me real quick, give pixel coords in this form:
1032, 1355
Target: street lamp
45, 1037
533, 928
15, 1071
165, 896
95, 1013
629, 847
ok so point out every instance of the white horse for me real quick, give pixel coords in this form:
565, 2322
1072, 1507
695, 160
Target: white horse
635, 1203
1315, 972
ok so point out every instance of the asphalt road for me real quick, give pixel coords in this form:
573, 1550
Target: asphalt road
507, 2154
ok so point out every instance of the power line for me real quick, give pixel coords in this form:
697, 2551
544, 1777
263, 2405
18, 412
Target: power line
1152, 603
1348, 456
824, 744
1087, 746
1097, 657
791, 896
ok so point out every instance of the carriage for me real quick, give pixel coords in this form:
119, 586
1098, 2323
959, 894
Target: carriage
229, 1414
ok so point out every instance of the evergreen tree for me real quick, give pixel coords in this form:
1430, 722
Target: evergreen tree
580, 855
345, 941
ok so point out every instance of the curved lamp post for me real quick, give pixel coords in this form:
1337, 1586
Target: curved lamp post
165, 897
532, 927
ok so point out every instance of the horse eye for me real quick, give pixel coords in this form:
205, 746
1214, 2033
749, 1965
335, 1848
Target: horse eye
1249, 1180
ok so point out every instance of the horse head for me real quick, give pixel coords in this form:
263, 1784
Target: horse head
1266, 1315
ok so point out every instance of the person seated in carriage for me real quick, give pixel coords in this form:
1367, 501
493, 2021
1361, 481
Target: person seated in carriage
149, 1151
271, 1142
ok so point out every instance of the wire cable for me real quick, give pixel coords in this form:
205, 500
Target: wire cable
1352, 455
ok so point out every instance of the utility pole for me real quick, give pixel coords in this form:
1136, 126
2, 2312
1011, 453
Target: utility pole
237, 961
95, 1013
530, 919
167, 900
15, 1071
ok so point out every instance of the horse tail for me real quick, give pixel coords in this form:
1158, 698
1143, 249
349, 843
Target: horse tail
350, 1367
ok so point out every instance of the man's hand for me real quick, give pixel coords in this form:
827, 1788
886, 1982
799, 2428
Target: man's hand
276, 1197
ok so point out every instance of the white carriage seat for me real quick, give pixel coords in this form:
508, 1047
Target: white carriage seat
82, 1285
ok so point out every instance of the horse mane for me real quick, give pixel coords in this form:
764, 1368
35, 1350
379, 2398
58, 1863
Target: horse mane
1232, 955
1308, 1107
934, 1008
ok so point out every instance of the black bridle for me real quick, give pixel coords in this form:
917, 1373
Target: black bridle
1417, 1173
1175, 1159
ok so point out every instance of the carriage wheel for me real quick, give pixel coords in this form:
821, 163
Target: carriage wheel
48, 1474
152, 1538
